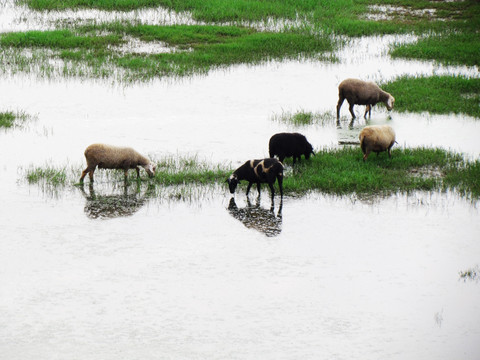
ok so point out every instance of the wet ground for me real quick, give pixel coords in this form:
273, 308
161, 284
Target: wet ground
108, 272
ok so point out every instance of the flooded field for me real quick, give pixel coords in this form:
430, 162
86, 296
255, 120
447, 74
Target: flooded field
106, 271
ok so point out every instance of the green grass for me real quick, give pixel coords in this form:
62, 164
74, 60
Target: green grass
89, 51
48, 175
447, 48
184, 170
343, 171
340, 16
9, 119
436, 94
195, 49
340, 171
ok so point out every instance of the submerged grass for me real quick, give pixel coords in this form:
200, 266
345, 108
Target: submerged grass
436, 94
340, 171
192, 48
49, 175
9, 119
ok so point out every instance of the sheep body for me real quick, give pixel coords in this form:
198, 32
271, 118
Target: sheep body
289, 144
359, 92
258, 171
114, 157
376, 138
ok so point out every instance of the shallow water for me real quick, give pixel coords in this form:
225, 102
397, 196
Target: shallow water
108, 272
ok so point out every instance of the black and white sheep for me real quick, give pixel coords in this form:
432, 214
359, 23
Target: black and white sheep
359, 92
113, 157
258, 171
289, 144
376, 138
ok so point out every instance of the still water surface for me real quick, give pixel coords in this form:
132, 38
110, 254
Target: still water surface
106, 272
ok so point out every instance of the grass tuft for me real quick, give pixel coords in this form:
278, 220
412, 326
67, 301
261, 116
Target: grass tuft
436, 94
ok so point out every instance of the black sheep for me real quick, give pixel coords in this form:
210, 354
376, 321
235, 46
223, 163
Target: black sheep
258, 171
289, 144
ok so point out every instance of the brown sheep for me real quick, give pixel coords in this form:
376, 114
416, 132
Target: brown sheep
113, 157
358, 92
376, 138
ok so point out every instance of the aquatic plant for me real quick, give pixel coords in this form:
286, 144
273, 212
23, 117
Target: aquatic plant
48, 174
303, 118
94, 49
436, 94
9, 119
472, 274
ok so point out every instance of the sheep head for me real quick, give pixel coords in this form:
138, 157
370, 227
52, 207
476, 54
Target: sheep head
390, 103
150, 169
232, 183
308, 151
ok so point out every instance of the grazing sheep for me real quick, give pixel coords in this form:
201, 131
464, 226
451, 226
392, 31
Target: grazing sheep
258, 171
289, 144
112, 157
358, 92
376, 138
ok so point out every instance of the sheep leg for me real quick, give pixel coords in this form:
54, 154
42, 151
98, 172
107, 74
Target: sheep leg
365, 156
351, 110
272, 190
84, 173
248, 187
368, 109
258, 188
339, 105
280, 184
88, 170
138, 172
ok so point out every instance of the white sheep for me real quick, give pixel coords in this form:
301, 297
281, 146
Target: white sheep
359, 92
376, 138
113, 157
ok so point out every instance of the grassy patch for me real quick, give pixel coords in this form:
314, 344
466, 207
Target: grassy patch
449, 48
181, 170
344, 17
343, 171
436, 94
193, 48
9, 119
340, 171
303, 118
48, 175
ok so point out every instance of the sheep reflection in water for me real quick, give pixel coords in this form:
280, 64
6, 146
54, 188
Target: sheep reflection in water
114, 205
258, 218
